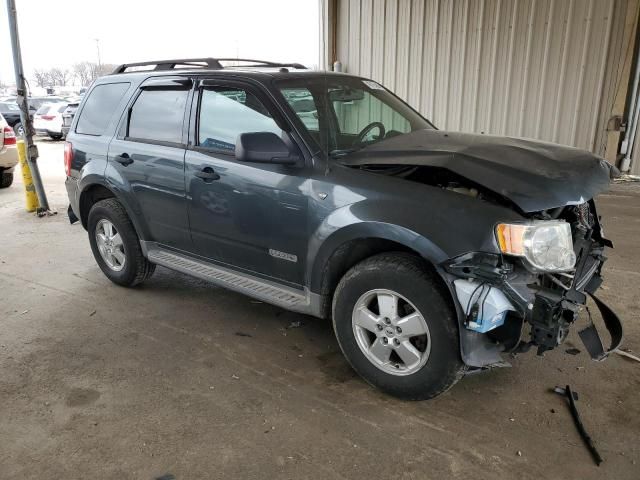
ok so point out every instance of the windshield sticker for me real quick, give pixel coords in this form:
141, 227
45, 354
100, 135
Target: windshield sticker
373, 85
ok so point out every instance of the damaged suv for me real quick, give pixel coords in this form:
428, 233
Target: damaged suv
434, 253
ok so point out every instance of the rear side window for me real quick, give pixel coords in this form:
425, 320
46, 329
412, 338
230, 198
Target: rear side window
227, 112
100, 107
158, 115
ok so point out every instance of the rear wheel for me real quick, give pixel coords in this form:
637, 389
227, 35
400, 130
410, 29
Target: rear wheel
6, 179
55, 136
396, 327
115, 244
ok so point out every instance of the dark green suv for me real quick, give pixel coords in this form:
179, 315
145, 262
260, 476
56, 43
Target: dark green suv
434, 253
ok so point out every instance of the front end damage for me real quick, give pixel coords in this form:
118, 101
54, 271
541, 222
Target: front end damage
505, 306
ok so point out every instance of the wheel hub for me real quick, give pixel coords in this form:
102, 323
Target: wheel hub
110, 245
387, 326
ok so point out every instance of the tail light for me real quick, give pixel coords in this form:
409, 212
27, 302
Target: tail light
47, 117
68, 157
9, 136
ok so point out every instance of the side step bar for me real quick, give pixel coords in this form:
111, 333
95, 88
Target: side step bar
301, 301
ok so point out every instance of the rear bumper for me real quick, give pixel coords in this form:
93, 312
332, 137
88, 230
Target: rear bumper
8, 157
71, 184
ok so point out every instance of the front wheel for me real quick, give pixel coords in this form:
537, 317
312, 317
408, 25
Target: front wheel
115, 244
396, 327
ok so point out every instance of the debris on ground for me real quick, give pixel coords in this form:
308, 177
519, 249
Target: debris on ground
628, 355
166, 476
519, 453
572, 351
235, 377
243, 334
627, 179
573, 398
92, 313
295, 324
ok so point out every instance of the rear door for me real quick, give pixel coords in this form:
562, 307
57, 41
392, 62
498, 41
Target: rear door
146, 159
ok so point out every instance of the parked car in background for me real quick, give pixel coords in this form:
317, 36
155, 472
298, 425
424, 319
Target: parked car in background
36, 102
48, 120
11, 113
67, 116
8, 153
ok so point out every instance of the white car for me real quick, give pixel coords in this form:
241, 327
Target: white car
48, 120
8, 153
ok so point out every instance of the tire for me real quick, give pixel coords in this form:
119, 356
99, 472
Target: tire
135, 268
6, 180
434, 364
55, 136
19, 130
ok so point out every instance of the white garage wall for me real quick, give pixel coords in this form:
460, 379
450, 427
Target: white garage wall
533, 68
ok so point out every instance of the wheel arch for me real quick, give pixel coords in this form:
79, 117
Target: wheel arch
351, 244
95, 192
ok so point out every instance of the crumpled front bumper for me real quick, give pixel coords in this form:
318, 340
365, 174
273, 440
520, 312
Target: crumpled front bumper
544, 310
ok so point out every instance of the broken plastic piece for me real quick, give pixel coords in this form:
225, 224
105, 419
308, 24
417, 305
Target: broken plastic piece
573, 398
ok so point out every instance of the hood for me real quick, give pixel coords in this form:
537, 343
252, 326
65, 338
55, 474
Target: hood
532, 174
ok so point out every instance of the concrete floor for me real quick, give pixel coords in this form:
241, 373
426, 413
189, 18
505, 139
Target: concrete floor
180, 377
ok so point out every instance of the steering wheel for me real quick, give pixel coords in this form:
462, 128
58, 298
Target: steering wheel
365, 131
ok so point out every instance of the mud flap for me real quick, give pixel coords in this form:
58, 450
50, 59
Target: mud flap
72, 216
590, 337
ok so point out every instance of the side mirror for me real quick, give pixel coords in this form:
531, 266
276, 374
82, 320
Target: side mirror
264, 147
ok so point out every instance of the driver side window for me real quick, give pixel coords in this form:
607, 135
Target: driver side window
226, 112
354, 114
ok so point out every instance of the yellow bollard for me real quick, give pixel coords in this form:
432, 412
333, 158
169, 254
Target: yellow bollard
29, 189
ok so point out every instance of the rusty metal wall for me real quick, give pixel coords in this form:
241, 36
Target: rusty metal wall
532, 68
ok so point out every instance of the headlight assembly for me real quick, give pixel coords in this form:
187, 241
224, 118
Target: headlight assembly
546, 245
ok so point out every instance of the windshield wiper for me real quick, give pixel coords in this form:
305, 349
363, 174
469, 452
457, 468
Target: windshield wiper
344, 152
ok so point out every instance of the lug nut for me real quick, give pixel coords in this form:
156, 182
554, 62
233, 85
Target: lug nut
385, 340
387, 321
399, 330
396, 342
379, 327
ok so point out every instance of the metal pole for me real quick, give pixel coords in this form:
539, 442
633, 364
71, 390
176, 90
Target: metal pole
98, 48
21, 87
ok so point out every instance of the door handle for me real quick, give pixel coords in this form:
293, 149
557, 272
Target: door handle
207, 174
124, 159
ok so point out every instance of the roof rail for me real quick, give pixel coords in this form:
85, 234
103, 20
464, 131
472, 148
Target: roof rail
208, 63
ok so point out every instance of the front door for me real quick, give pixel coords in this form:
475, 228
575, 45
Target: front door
250, 216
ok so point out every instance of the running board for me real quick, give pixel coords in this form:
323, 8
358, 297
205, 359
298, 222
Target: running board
301, 301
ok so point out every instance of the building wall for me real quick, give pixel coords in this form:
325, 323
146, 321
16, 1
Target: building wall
544, 69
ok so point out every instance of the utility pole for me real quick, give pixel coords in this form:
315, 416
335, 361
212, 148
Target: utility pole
21, 87
98, 48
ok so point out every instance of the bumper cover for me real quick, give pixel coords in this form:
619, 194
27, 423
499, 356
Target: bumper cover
547, 306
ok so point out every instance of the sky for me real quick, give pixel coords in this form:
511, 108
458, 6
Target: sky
63, 32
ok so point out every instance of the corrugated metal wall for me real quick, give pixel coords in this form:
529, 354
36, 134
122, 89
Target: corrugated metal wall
532, 68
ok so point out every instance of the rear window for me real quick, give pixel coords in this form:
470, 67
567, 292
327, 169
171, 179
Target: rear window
43, 110
100, 107
158, 115
9, 107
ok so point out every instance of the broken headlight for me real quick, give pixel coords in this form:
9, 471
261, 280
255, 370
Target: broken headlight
546, 245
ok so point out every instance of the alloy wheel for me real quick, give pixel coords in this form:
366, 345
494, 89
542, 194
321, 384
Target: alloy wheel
391, 332
110, 245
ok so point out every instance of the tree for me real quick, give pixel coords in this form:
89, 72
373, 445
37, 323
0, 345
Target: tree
42, 78
59, 76
82, 73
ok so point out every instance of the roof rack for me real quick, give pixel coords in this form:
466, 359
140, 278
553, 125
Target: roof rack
208, 63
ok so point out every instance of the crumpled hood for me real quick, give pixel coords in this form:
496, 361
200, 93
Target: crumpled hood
532, 174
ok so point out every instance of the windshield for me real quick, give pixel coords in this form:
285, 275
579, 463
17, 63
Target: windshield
344, 114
